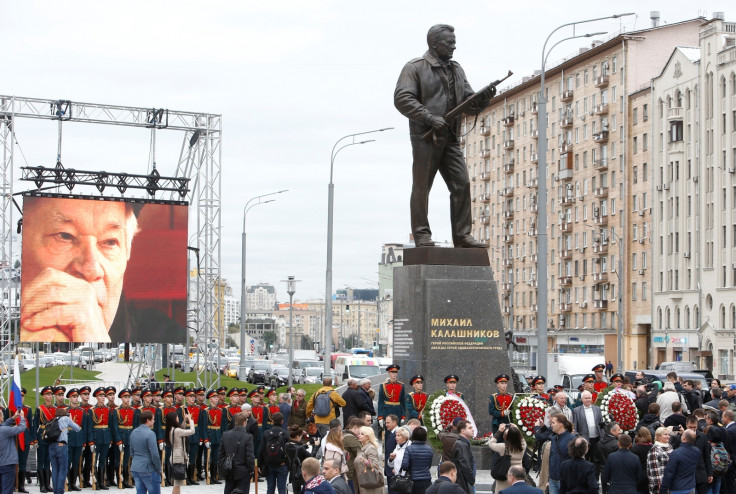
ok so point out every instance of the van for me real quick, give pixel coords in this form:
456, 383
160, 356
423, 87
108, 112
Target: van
355, 367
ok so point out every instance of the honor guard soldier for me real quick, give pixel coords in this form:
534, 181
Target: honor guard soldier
538, 383
273, 401
228, 415
417, 399
113, 454
125, 418
222, 394
84, 394
59, 392
499, 404
600, 384
135, 397
243, 392
28, 438
156, 397
195, 439
391, 395
589, 385
179, 396
110, 393
200, 394
103, 427
451, 384
212, 430
45, 413
76, 440
147, 396
261, 416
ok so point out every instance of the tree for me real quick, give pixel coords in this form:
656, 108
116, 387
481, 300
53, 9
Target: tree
270, 338
307, 343
233, 328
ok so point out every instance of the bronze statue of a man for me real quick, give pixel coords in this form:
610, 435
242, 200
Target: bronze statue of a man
428, 88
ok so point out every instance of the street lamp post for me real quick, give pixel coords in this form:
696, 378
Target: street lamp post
291, 290
328, 274
543, 284
248, 206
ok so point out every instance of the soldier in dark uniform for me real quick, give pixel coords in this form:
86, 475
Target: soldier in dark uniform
451, 384
222, 393
228, 416
84, 393
600, 383
417, 399
195, 439
28, 438
391, 395
168, 397
589, 385
76, 440
538, 383
45, 413
499, 404
273, 401
113, 454
261, 415
103, 430
125, 418
211, 419
59, 392
179, 396
156, 397
135, 397
200, 395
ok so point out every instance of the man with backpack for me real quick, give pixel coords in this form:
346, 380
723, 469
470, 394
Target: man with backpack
237, 447
323, 404
272, 457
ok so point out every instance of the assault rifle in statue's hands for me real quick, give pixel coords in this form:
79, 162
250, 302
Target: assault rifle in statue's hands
467, 103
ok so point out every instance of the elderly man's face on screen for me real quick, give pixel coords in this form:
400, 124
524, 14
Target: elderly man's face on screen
74, 257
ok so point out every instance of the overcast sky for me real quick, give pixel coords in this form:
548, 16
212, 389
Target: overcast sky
290, 78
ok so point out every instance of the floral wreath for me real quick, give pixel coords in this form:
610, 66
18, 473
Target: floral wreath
524, 412
439, 413
618, 407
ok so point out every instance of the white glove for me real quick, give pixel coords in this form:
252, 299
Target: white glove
92, 448
207, 445
120, 447
160, 446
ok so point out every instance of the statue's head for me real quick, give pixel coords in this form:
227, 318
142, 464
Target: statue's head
441, 41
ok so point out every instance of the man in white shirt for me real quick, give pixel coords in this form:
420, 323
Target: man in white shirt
587, 421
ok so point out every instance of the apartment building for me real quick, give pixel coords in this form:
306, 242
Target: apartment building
694, 202
590, 194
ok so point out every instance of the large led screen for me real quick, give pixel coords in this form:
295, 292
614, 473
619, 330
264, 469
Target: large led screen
103, 271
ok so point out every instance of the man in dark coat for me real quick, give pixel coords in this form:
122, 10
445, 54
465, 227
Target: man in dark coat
679, 474
427, 89
331, 471
704, 472
623, 469
446, 480
462, 456
353, 401
237, 443
517, 479
606, 446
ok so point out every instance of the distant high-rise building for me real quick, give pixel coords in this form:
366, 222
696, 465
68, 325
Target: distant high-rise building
260, 298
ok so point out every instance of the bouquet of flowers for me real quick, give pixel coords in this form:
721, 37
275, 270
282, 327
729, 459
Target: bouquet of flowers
525, 412
618, 407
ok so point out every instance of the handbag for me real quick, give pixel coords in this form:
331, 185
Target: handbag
179, 471
500, 468
368, 477
400, 484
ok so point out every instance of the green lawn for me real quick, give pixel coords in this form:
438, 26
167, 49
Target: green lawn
47, 376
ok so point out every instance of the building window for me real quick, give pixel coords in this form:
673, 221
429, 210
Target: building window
633, 291
675, 132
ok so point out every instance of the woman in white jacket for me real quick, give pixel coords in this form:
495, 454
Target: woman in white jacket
402, 442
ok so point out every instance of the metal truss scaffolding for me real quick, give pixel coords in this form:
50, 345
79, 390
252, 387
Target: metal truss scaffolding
199, 160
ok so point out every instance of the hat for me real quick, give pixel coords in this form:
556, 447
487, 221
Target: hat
124, 392
617, 377
47, 389
166, 376
59, 390
416, 378
599, 368
212, 392
588, 378
85, 389
180, 390
99, 392
243, 392
233, 391
156, 392
502, 378
189, 392
110, 390
552, 391
538, 379
253, 393
270, 392
393, 368
72, 392
732, 387
222, 390
580, 387
456, 421
201, 391
23, 391
261, 389
451, 378
559, 387
136, 390
145, 392
167, 392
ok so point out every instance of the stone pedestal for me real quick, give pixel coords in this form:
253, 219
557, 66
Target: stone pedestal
447, 320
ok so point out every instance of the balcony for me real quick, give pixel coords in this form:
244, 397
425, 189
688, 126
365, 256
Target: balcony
535, 208
674, 113
534, 109
565, 227
567, 200
508, 262
507, 191
533, 183
485, 198
566, 95
485, 153
508, 214
601, 220
566, 254
565, 307
565, 147
601, 81
600, 278
601, 137
485, 220
601, 109
600, 192
534, 158
566, 122
507, 286
600, 304
535, 257
532, 232
508, 144
508, 238
509, 167
485, 130
565, 280
535, 134
600, 249
508, 121
485, 175
507, 309
601, 165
